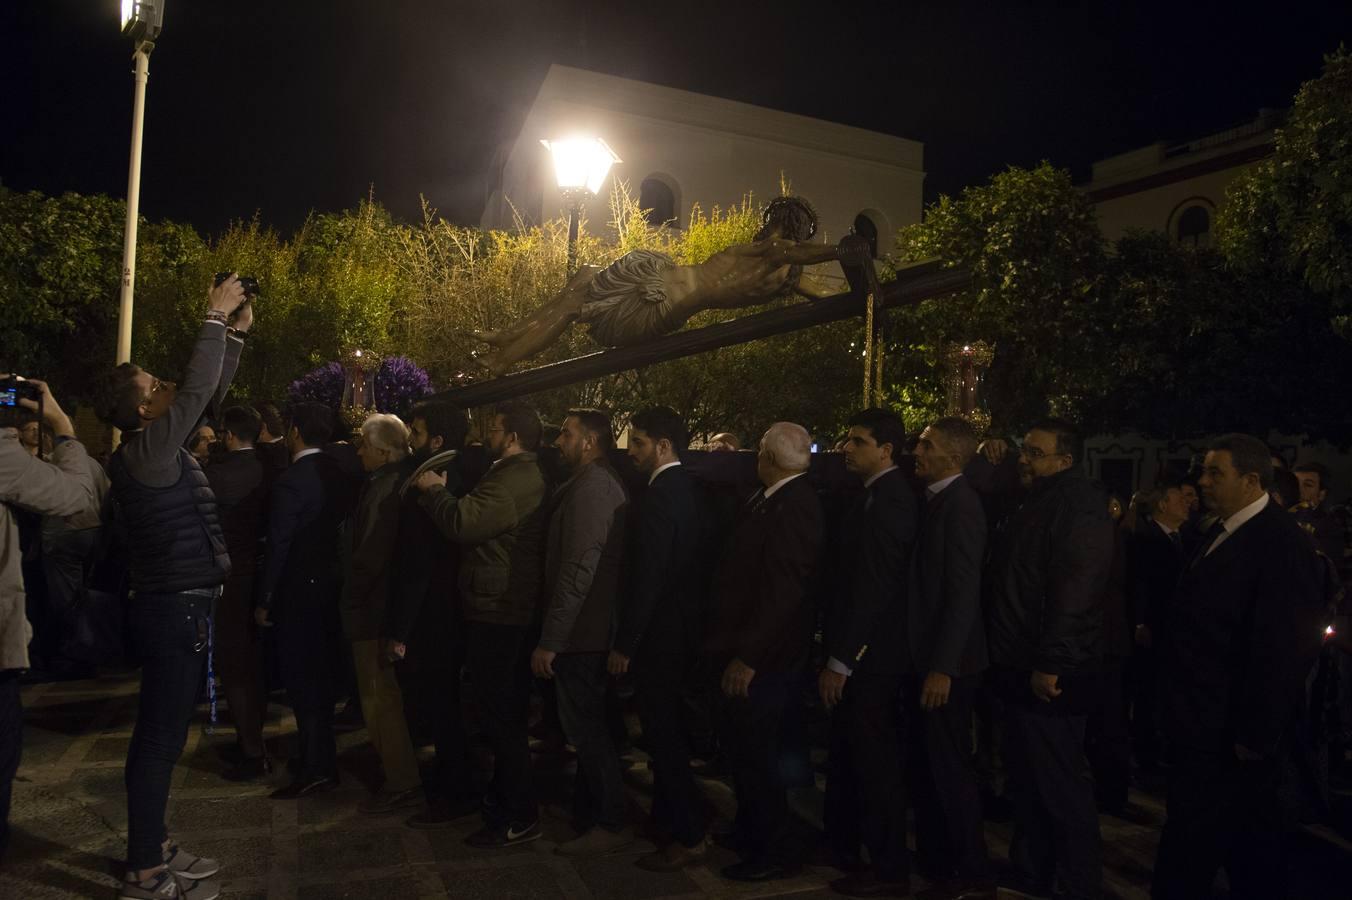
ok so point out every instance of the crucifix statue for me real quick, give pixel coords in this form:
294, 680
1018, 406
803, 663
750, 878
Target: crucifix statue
644, 294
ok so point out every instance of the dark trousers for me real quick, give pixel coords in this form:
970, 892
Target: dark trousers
1056, 827
580, 682
677, 802
169, 635
1108, 739
1143, 672
756, 743
865, 792
1221, 813
498, 659
11, 746
239, 660
950, 836
430, 680
67, 558
308, 655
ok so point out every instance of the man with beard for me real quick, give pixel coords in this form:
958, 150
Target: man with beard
659, 628
582, 568
500, 529
1044, 629
423, 626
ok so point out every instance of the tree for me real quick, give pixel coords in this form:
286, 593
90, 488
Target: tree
1295, 207
1037, 258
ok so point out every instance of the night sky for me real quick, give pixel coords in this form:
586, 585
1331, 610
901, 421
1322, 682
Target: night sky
288, 106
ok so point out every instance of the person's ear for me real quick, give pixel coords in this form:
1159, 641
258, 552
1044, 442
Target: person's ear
434, 443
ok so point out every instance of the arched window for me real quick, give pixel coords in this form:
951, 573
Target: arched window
1194, 227
658, 201
866, 228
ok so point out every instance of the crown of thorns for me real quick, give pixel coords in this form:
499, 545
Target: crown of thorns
795, 212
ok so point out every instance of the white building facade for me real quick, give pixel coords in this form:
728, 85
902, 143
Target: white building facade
679, 148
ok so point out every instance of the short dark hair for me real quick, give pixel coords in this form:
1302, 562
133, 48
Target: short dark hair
524, 422
663, 423
1316, 468
243, 422
313, 420
271, 417
960, 436
117, 398
1068, 438
885, 427
443, 420
1247, 455
597, 424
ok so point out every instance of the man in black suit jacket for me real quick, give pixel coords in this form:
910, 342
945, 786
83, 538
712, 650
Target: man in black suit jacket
946, 639
659, 627
866, 647
765, 618
240, 482
300, 587
1155, 559
1245, 630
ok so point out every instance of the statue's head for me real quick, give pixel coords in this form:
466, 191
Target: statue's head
792, 217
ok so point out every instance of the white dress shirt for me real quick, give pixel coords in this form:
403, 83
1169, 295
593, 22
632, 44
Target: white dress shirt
1232, 524
660, 469
306, 452
942, 483
770, 491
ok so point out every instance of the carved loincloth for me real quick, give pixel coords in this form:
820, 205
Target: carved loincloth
627, 300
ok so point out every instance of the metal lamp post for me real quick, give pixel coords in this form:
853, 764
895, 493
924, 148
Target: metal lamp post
141, 21
580, 168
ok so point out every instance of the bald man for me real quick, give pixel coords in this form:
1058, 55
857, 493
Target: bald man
762, 640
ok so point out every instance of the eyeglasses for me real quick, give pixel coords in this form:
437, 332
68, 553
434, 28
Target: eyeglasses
1036, 453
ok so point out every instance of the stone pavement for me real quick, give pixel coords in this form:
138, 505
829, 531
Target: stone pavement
69, 822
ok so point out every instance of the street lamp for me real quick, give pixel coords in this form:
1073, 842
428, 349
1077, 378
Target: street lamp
580, 168
141, 21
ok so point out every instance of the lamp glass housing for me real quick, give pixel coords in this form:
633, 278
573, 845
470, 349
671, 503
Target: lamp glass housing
581, 163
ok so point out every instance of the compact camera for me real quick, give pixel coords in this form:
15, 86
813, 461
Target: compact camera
247, 282
13, 389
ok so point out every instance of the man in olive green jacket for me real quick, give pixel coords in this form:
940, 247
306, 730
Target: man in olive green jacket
500, 528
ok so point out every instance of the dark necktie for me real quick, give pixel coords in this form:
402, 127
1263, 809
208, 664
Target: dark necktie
1176, 539
1212, 535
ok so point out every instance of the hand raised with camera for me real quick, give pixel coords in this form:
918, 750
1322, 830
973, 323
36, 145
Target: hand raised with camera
227, 296
52, 413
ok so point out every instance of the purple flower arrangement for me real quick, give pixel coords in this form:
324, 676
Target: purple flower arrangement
398, 384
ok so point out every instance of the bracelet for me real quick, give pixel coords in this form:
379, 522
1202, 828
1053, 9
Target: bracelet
231, 331
215, 315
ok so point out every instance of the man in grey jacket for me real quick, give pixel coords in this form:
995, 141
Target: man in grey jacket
63, 487
582, 565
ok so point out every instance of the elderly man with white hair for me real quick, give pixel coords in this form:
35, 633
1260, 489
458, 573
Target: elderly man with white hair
371, 536
763, 638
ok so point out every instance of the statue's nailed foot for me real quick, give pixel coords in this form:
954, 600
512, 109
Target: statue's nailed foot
490, 363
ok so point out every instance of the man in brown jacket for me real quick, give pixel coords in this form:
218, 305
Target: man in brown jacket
63, 487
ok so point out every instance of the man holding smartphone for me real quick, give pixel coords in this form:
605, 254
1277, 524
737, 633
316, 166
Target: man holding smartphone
177, 564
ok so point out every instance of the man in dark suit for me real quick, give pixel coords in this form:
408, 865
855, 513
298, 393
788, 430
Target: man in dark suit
1155, 559
946, 640
1245, 630
300, 587
865, 640
659, 627
240, 482
763, 638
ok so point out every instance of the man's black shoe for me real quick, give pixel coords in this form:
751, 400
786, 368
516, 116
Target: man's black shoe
866, 884
250, 768
305, 787
759, 870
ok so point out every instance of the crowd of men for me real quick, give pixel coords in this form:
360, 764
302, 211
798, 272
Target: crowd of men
976, 620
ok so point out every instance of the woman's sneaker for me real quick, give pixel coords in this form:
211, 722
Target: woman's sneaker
168, 885
189, 866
